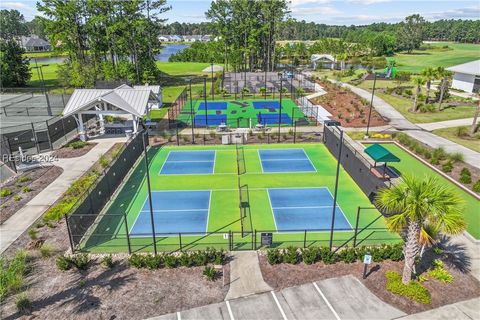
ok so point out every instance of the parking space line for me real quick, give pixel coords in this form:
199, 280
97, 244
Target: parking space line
326, 301
229, 310
179, 317
279, 306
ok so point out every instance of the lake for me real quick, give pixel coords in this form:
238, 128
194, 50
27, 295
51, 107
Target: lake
167, 51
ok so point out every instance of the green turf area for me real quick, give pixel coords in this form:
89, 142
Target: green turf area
182, 68
240, 112
224, 215
410, 165
456, 53
467, 141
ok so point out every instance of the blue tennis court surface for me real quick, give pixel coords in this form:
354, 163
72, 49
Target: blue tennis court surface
189, 162
273, 118
285, 160
305, 209
174, 212
211, 119
213, 106
266, 104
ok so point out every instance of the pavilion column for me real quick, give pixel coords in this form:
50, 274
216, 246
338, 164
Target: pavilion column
134, 124
81, 128
101, 121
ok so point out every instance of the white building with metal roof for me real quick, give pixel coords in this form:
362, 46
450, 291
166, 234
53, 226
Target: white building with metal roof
117, 110
466, 76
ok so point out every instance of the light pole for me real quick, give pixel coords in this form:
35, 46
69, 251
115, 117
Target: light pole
371, 102
192, 114
336, 188
213, 85
205, 100
39, 68
152, 220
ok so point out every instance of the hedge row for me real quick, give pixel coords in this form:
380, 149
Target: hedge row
185, 259
313, 255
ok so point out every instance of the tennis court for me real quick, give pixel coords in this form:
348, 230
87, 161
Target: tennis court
305, 209
189, 162
173, 211
242, 113
288, 160
199, 200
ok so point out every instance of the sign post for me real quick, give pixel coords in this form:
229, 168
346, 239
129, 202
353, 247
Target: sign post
267, 238
367, 259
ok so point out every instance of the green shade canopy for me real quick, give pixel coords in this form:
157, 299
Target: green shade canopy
380, 154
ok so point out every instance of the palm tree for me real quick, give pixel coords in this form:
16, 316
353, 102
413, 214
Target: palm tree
429, 74
418, 82
414, 204
473, 128
443, 75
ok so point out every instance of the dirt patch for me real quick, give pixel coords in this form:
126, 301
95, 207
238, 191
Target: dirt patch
346, 107
38, 179
463, 287
69, 152
122, 292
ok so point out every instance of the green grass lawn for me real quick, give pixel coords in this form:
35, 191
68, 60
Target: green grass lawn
402, 105
224, 215
420, 59
410, 165
49, 75
450, 134
182, 68
242, 114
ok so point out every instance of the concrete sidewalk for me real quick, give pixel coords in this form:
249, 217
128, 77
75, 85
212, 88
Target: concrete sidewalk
73, 168
445, 124
469, 309
336, 298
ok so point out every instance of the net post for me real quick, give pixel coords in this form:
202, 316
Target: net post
70, 238
127, 233
305, 238
356, 227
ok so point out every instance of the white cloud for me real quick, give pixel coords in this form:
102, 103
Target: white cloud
462, 13
367, 2
16, 6
299, 3
325, 10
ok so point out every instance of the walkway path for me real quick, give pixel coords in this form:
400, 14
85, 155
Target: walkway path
399, 122
445, 124
73, 168
245, 275
336, 298
469, 309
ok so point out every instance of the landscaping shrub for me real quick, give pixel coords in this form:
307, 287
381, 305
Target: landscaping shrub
170, 261
434, 160
17, 198
290, 255
427, 154
77, 144
23, 303
413, 290
136, 261
327, 256
476, 186
103, 161
26, 189
199, 259
63, 263
310, 255
47, 250
210, 273
24, 179
185, 260
465, 176
12, 273
81, 261
107, 261
427, 108
348, 255
461, 131
274, 256
456, 156
5, 192
153, 262
33, 234
439, 153
438, 272
447, 166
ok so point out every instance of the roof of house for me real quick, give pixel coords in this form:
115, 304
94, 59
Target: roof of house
132, 100
472, 67
36, 42
380, 154
155, 88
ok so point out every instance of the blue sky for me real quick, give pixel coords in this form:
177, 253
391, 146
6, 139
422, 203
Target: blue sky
339, 12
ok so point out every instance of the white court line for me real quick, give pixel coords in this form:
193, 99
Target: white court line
208, 210
271, 208
279, 306
308, 207
174, 210
308, 158
214, 161
260, 159
179, 317
327, 302
229, 310
289, 159
189, 161
338, 206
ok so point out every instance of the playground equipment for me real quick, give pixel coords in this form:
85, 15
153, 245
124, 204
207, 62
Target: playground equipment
390, 71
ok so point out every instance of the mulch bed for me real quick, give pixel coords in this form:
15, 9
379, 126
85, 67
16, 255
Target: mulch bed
346, 107
69, 152
463, 287
39, 179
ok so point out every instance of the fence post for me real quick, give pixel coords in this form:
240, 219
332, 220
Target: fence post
356, 228
180, 240
255, 237
128, 235
305, 239
69, 233
294, 132
35, 138
230, 238
176, 131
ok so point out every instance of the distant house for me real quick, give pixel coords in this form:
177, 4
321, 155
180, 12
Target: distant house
163, 38
466, 77
206, 37
34, 43
175, 38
